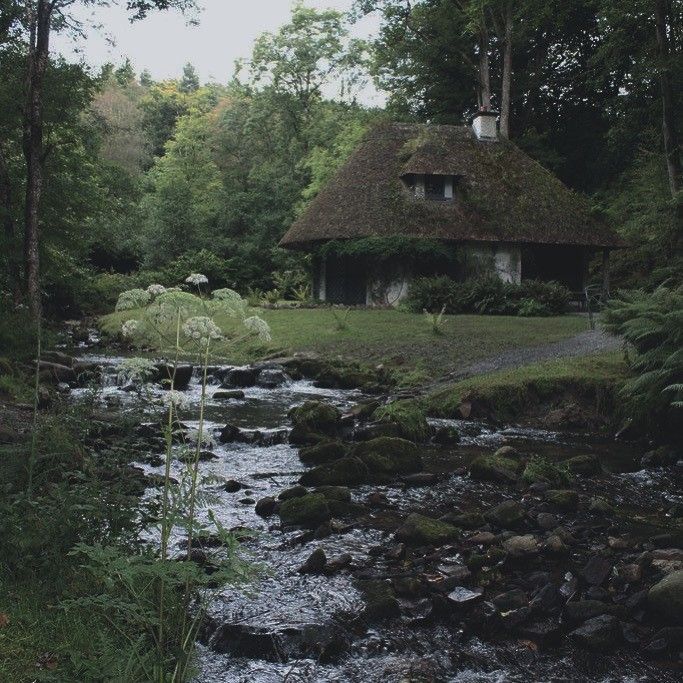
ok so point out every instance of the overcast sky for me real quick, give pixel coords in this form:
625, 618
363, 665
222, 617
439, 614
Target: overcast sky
164, 42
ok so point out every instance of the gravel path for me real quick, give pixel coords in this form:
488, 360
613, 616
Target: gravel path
582, 344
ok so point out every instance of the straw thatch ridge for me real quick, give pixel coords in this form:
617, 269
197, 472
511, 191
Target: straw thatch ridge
502, 194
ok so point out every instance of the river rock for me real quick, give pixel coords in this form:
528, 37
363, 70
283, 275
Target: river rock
547, 521
596, 570
183, 376
464, 520
482, 538
380, 601
326, 451
563, 499
293, 492
317, 417
659, 457
464, 597
388, 456
420, 479
494, 468
315, 563
581, 610
584, 465
229, 433
510, 600
599, 506
338, 563
554, 545
270, 378
241, 377
227, 394
309, 511
509, 514
665, 599
422, 530
598, 633
266, 506
348, 471
522, 546
320, 642
375, 430
630, 573
668, 639
446, 436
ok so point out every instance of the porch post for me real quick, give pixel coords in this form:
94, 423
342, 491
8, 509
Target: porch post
605, 274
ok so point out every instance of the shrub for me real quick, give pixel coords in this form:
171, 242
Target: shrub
431, 294
487, 296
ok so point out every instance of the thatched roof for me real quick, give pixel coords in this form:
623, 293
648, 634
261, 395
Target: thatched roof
504, 195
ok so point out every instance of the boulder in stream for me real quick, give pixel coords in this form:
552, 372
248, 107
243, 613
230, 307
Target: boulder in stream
495, 468
308, 511
665, 599
422, 530
509, 514
326, 451
598, 633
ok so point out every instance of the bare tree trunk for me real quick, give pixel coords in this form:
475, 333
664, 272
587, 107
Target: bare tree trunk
671, 149
37, 60
506, 87
484, 71
9, 229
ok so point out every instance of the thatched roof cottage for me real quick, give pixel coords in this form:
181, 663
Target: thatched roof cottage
431, 199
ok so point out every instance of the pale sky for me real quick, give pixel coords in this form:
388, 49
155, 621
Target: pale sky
164, 42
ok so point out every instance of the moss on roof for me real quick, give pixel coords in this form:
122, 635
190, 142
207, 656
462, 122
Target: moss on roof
503, 194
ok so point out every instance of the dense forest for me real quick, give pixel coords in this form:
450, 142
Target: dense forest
165, 177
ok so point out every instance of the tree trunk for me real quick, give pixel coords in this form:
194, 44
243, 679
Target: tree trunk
484, 71
671, 149
37, 60
9, 230
506, 87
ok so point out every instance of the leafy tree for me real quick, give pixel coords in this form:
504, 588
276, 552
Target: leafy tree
190, 80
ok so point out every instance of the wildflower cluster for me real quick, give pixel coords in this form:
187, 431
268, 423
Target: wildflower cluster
130, 328
259, 327
174, 399
197, 279
133, 298
135, 370
201, 329
156, 290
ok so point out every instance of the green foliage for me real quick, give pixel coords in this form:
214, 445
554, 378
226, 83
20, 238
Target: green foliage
435, 321
652, 323
488, 296
341, 318
409, 416
540, 469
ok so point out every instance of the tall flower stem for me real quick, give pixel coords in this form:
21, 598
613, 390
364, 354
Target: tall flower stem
165, 518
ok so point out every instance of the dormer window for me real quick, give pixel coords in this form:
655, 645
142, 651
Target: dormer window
433, 187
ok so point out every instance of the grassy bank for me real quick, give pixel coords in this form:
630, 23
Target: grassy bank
401, 340
589, 382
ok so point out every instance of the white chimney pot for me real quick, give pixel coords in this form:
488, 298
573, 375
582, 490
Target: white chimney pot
485, 126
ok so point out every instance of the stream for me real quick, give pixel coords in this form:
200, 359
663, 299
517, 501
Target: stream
264, 632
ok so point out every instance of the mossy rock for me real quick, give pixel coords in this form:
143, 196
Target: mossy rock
325, 451
563, 499
341, 494
543, 470
422, 530
465, 520
494, 468
316, 416
584, 465
409, 417
665, 599
509, 514
293, 492
303, 436
349, 471
309, 511
380, 601
388, 455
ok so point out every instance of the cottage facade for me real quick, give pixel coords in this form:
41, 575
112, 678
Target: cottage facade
497, 210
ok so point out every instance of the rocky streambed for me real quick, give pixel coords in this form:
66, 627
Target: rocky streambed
477, 553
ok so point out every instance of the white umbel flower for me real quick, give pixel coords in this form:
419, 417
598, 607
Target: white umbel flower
135, 370
133, 298
156, 290
201, 329
175, 399
259, 327
130, 328
197, 279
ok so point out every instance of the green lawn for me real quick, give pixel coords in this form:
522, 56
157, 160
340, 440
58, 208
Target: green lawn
399, 339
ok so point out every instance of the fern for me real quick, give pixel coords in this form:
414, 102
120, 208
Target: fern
652, 323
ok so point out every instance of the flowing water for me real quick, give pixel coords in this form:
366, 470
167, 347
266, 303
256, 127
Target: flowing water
286, 607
